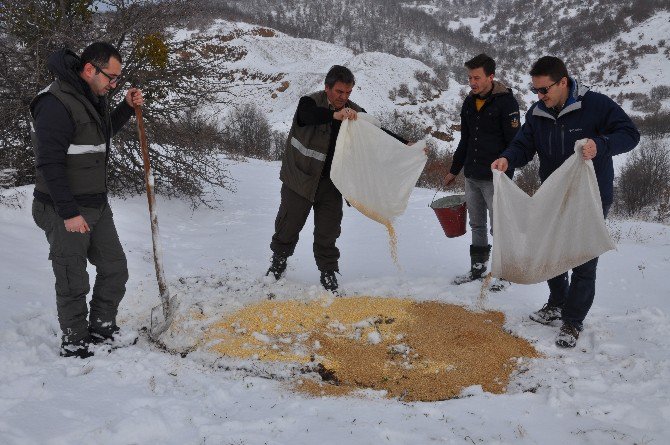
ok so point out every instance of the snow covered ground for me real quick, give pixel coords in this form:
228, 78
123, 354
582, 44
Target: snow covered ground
612, 388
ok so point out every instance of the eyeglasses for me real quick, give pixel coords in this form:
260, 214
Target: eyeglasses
112, 79
543, 90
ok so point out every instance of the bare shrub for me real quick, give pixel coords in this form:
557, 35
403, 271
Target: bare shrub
441, 80
403, 90
426, 91
247, 132
663, 209
647, 49
404, 125
183, 151
438, 163
422, 76
644, 182
278, 145
660, 92
646, 104
7, 177
655, 125
436, 170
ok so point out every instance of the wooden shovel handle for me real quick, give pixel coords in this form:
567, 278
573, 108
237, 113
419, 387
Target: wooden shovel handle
145, 154
151, 197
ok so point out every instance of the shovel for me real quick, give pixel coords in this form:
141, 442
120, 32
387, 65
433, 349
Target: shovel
161, 315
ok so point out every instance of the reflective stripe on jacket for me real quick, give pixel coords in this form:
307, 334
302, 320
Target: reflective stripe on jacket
306, 151
87, 152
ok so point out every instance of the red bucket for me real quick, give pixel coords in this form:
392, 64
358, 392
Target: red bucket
451, 212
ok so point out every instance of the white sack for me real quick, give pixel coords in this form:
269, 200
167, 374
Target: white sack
560, 227
374, 171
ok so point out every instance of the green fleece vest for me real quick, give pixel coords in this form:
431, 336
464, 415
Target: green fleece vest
306, 150
87, 154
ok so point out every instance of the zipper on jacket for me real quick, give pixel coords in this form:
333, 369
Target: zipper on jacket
563, 140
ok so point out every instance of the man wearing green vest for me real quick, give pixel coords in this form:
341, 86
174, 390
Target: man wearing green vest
71, 128
305, 176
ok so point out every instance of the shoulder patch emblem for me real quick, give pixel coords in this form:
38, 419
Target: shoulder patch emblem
514, 123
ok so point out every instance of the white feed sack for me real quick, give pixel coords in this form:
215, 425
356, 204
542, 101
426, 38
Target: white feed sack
375, 170
560, 227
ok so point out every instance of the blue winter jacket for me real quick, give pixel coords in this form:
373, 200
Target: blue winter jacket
586, 115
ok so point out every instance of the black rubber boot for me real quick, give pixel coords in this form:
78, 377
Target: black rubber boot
79, 348
479, 256
329, 280
278, 266
104, 335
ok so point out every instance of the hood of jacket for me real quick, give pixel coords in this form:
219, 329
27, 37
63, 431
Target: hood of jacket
577, 89
66, 66
498, 88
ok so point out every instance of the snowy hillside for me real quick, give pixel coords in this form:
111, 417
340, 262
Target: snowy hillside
645, 71
273, 70
616, 46
612, 388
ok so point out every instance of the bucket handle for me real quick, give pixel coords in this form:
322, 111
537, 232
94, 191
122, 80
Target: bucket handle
433, 199
430, 204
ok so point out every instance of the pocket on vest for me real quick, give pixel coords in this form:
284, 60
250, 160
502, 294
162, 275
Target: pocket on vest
86, 173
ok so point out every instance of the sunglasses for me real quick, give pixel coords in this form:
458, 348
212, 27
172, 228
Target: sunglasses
543, 90
112, 79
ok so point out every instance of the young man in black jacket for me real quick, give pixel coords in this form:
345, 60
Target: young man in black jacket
71, 131
489, 122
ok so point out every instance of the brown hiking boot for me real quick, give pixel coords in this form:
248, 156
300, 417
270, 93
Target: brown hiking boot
567, 337
547, 314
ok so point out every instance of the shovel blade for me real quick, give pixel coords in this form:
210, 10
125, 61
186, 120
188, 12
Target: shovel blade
159, 323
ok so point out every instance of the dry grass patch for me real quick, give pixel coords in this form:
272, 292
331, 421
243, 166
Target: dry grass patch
412, 350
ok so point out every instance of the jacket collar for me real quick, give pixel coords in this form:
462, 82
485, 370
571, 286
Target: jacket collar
574, 102
498, 89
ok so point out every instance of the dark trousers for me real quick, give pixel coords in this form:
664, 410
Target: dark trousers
291, 218
575, 296
69, 252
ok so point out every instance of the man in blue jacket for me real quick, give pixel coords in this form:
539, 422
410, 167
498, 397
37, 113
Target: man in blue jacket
565, 113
